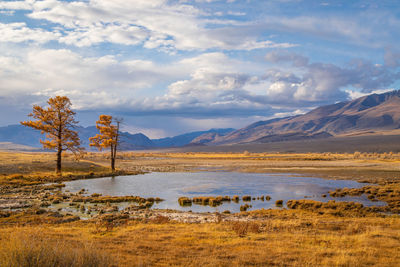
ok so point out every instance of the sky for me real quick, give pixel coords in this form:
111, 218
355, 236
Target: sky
170, 67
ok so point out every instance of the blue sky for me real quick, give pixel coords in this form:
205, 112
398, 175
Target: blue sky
170, 67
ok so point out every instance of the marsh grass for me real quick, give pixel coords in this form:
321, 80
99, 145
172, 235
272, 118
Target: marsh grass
34, 249
242, 228
309, 235
274, 238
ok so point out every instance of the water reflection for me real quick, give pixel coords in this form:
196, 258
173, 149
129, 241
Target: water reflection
171, 186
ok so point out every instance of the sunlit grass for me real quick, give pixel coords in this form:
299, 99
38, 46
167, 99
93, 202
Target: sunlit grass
276, 238
35, 248
310, 234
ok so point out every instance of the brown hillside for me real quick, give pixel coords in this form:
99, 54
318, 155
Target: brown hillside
374, 112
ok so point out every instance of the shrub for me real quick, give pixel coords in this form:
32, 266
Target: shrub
279, 202
246, 198
213, 202
201, 200
244, 207
226, 198
185, 201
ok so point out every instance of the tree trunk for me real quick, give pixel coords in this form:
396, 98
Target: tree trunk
112, 159
58, 168
59, 145
115, 146
113, 164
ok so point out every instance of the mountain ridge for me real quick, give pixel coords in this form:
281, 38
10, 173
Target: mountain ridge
25, 137
367, 114
370, 112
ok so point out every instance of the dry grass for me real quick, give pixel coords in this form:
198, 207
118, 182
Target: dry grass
41, 162
294, 238
372, 167
30, 168
32, 247
389, 192
310, 235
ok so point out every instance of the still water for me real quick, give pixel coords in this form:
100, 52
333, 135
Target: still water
171, 186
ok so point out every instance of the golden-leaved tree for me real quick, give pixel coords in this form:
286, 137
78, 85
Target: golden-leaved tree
58, 123
108, 137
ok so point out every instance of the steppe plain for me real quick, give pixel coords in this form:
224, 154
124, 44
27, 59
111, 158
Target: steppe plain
307, 233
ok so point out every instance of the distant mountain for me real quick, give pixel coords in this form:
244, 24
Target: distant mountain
21, 135
17, 147
135, 141
205, 138
185, 139
376, 112
128, 141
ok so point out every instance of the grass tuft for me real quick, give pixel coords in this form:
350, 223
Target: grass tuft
35, 250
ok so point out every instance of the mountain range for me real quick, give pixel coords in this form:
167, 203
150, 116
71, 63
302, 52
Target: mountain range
26, 138
368, 114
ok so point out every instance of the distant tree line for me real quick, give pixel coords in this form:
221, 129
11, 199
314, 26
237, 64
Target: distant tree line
58, 123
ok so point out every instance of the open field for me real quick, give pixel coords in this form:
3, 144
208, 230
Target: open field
371, 167
308, 234
376, 142
281, 238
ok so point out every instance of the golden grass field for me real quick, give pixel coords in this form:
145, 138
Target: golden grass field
286, 238
305, 236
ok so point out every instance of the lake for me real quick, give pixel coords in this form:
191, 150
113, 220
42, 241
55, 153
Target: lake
170, 186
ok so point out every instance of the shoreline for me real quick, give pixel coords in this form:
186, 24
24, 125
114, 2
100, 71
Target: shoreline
29, 190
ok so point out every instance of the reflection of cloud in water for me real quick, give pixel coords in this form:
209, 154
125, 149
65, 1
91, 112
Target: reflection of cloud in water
298, 190
171, 186
198, 189
280, 188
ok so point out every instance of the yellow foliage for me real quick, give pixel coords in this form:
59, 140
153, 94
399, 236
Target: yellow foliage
57, 122
108, 137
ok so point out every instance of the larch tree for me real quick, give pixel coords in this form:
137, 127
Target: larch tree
57, 122
108, 136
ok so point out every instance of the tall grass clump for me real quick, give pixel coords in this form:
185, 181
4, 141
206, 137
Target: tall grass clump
357, 155
31, 249
242, 228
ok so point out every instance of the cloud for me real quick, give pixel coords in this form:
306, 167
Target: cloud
106, 83
356, 94
202, 86
392, 58
215, 87
117, 34
16, 5
157, 24
19, 32
322, 82
278, 56
371, 28
91, 82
